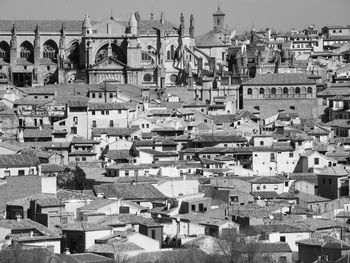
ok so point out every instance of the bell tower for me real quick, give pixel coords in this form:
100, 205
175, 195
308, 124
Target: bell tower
219, 20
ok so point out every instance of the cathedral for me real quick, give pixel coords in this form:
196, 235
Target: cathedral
151, 52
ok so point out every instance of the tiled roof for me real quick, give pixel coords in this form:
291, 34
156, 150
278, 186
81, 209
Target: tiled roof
280, 79
36, 133
81, 152
159, 153
84, 258
309, 198
84, 226
152, 26
44, 25
277, 247
266, 180
281, 228
129, 191
118, 154
113, 247
70, 195
114, 131
128, 219
97, 204
25, 224
335, 171
106, 106
222, 139
18, 160
53, 168
81, 140
211, 38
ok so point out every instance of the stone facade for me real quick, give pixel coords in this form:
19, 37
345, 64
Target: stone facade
152, 52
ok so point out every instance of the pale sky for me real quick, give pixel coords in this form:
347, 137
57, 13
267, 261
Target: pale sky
240, 14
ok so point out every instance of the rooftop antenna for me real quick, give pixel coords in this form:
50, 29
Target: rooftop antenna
111, 13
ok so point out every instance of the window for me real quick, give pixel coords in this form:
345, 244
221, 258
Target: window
50, 50
64, 220
286, 184
292, 107
73, 130
62, 123
309, 90
282, 238
107, 112
83, 158
170, 53
316, 161
193, 207
145, 57
261, 91
26, 51
20, 172
273, 91
77, 159
258, 187
291, 154
93, 95
102, 112
100, 95
324, 181
111, 124
75, 120
330, 181
147, 78
261, 143
297, 90
153, 234
110, 95
249, 91
93, 112
48, 68
126, 172
285, 90
264, 186
143, 125
119, 111
94, 124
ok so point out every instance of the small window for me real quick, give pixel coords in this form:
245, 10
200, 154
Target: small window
249, 91
25, 67
297, 90
107, 112
77, 159
111, 95
102, 112
83, 158
48, 68
282, 238
292, 107
20, 172
153, 234
94, 124
286, 184
291, 154
316, 161
285, 90
264, 186
273, 91
261, 143
126, 172
258, 188
330, 181
261, 91
309, 90
93, 112
93, 95
193, 207
100, 95
324, 181
111, 124
119, 111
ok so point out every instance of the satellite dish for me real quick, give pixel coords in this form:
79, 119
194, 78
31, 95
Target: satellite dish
271, 217
259, 197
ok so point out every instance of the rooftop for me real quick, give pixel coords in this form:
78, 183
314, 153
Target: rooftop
280, 78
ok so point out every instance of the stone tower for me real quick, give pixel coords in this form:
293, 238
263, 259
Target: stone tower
87, 25
219, 20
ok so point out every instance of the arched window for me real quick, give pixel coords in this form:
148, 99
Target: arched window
4, 51
117, 52
309, 90
145, 57
72, 53
297, 90
3, 78
249, 91
261, 91
285, 90
170, 53
49, 79
26, 51
50, 50
273, 91
147, 78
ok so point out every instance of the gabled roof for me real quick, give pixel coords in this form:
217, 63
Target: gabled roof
19, 160
106, 106
129, 191
280, 79
335, 171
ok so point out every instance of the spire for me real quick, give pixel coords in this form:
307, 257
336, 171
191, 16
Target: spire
191, 29
63, 31
13, 42
86, 25
133, 24
162, 17
37, 36
14, 31
182, 20
111, 13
